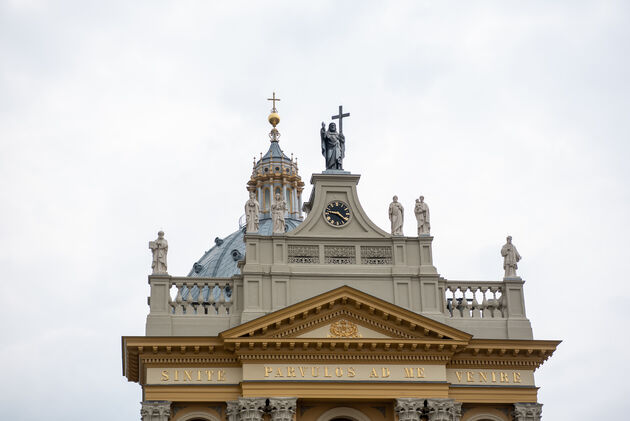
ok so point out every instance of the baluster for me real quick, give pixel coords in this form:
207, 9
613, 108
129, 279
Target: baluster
188, 307
171, 304
466, 305
485, 311
448, 309
205, 300
212, 302
476, 306
178, 299
502, 303
457, 304
221, 301
199, 307
228, 300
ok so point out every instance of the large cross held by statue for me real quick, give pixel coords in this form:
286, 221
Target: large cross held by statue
341, 116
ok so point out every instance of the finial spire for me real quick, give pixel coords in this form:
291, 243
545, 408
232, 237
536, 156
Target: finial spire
274, 119
273, 99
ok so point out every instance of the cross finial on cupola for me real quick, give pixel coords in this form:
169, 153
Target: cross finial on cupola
274, 119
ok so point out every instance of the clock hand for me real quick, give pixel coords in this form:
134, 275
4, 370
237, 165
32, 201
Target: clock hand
342, 217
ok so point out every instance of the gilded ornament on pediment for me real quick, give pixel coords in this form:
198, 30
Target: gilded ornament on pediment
344, 329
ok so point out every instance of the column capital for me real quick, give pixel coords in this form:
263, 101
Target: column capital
232, 411
409, 409
282, 409
155, 411
251, 409
444, 410
526, 411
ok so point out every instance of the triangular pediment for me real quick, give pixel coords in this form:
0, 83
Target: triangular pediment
345, 313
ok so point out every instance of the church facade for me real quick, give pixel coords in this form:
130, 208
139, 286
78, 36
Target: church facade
329, 317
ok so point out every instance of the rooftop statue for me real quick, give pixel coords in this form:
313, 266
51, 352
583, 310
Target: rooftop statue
396, 216
159, 248
333, 143
510, 258
252, 211
278, 208
422, 216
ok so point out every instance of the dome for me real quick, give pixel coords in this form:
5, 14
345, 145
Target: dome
221, 261
273, 174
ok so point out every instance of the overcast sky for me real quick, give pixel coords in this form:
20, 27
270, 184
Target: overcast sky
120, 118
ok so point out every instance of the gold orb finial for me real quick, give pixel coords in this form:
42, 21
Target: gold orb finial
273, 119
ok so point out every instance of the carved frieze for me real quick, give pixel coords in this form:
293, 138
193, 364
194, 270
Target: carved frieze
376, 255
337, 255
303, 254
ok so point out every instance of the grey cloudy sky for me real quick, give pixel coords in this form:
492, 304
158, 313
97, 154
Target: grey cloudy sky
120, 118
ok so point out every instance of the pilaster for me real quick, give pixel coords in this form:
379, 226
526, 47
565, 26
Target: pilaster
155, 411
444, 410
527, 411
282, 409
408, 409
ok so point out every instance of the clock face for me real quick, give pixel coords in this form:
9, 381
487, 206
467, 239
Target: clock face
337, 213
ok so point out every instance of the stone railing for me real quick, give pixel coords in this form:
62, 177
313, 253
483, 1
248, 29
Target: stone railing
475, 300
200, 296
183, 296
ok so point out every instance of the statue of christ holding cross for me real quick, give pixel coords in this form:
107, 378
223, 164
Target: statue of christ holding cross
333, 143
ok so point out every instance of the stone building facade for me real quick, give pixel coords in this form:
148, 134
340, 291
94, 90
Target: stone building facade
334, 319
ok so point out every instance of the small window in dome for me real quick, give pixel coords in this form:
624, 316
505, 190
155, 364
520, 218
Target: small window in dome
266, 199
266, 169
277, 168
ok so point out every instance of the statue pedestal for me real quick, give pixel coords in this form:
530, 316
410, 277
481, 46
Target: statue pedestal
335, 172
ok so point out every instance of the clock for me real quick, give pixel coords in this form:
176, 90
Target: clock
337, 213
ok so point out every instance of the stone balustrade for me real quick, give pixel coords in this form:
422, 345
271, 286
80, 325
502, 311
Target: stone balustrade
185, 296
476, 300
201, 296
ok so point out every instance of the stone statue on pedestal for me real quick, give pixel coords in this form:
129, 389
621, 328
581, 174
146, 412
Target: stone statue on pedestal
159, 248
396, 216
422, 216
333, 143
278, 209
510, 258
333, 146
252, 212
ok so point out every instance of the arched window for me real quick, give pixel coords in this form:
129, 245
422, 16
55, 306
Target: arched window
266, 199
289, 200
343, 413
197, 416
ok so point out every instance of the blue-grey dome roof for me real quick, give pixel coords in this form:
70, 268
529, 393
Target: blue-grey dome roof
222, 259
